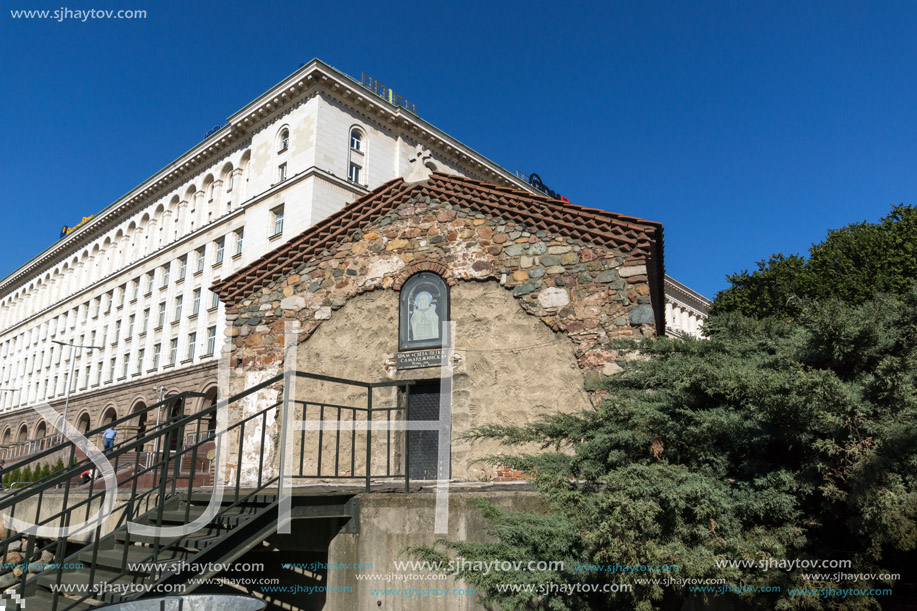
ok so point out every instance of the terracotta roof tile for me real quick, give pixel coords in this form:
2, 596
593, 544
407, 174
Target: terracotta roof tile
635, 237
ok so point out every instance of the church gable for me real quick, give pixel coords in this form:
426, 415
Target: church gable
588, 274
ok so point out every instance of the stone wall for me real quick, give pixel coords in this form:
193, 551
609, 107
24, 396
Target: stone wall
529, 288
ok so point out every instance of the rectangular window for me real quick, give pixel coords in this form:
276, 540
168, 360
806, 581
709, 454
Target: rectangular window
136, 290
214, 300
221, 243
99, 372
140, 354
125, 364
354, 173
281, 172
111, 370
130, 326
192, 340
200, 259
165, 275
239, 236
178, 302
277, 218
196, 302
157, 350
109, 300
162, 315
114, 340
149, 283
146, 321
182, 267
211, 339
173, 351
123, 295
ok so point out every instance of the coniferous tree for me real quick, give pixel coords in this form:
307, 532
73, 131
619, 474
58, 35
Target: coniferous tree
774, 439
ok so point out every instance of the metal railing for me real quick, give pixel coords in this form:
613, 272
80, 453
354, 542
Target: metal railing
181, 461
24, 448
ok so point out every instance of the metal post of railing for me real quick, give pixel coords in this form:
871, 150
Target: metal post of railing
160, 502
407, 439
369, 435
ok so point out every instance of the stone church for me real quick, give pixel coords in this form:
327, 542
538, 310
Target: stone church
536, 289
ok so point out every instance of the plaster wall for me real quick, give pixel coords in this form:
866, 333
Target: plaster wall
509, 368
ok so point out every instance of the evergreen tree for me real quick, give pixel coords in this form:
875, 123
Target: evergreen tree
853, 263
773, 439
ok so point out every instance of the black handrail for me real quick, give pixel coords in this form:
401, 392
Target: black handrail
172, 463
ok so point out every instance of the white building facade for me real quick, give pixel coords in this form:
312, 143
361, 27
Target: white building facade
133, 280
685, 309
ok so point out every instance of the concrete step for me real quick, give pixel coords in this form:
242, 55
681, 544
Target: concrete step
111, 559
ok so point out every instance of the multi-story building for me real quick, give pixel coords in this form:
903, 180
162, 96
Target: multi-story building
685, 309
131, 284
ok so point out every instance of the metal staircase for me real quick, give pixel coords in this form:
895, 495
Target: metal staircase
165, 477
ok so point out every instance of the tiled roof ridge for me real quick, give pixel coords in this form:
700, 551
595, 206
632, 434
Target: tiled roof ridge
537, 210
543, 198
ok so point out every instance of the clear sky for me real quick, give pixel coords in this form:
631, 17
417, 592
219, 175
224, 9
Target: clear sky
745, 128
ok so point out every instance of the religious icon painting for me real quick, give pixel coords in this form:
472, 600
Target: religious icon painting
424, 307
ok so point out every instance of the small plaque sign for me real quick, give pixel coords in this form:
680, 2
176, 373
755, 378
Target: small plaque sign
418, 359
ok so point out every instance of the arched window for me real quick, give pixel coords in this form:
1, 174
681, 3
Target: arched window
284, 140
356, 164
424, 306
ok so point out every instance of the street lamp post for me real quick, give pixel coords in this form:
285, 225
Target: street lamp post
72, 365
161, 390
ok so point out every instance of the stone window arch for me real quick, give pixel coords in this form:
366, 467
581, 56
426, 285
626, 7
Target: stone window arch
423, 307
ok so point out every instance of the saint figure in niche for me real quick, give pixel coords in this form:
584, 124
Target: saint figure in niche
423, 306
424, 319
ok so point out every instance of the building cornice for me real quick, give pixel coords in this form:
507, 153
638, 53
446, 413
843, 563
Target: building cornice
686, 295
316, 75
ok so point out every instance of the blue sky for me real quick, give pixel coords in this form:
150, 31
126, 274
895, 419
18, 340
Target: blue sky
745, 129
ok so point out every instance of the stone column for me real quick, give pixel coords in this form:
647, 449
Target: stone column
200, 211
218, 198
182, 218
235, 197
